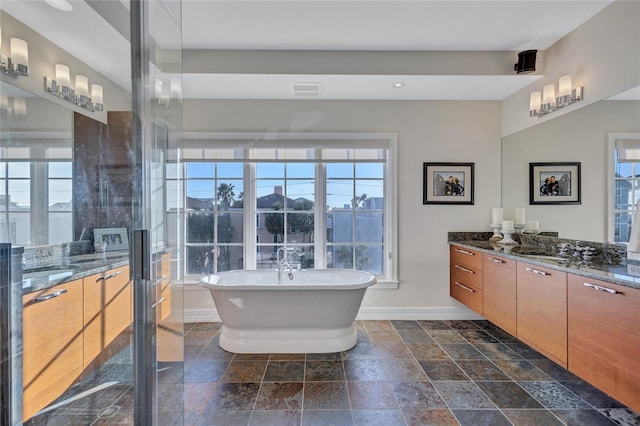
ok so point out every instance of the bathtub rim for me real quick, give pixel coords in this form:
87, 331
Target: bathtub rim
211, 281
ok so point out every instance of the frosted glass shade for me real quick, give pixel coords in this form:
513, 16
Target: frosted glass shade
549, 94
62, 75
564, 86
19, 52
534, 101
82, 85
97, 94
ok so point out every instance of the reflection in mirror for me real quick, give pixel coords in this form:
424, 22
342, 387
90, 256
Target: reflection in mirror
579, 136
36, 154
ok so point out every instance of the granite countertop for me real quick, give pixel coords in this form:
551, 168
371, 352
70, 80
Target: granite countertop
603, 266
48, 274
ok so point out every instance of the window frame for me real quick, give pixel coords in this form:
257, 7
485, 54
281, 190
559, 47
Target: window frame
388, 142
613, 140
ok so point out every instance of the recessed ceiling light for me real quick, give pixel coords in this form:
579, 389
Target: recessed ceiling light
398, 84
63, 5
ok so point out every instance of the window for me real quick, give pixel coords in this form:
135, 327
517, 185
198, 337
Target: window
625, 176
272, 194
36, 202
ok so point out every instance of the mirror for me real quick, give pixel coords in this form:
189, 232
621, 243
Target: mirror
578, 136
36, 155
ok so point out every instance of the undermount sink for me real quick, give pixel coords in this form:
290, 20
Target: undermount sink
544, 257
53, 272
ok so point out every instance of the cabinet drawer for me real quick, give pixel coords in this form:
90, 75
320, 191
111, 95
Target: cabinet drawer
467, 295
499, 291
604, 339
107, 310
542, 310
464, 256
466, 275
52, 344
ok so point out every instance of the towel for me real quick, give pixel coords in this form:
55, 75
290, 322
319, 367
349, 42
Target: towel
634, 237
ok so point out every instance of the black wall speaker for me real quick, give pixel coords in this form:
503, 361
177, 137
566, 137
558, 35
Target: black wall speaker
526, 62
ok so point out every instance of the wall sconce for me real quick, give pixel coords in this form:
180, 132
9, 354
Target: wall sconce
16, 64
61, 87
542, 103
168, 94
13, 107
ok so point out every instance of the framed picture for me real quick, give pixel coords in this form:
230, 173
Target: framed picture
447, 183
554, 183
114, 238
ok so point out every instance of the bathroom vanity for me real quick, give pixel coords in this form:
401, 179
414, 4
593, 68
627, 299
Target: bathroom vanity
582, 314
77, 313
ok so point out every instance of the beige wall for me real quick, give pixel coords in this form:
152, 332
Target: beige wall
429, 131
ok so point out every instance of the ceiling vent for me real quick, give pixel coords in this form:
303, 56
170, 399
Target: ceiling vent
307, 89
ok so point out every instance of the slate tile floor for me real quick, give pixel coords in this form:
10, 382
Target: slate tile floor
400, 373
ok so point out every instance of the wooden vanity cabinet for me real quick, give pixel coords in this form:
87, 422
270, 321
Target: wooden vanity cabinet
163, 288
499, 291
52, 344
604, 338
542, 310
107, 310
466, 277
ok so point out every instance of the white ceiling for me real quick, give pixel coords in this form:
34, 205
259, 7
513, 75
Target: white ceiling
423, 25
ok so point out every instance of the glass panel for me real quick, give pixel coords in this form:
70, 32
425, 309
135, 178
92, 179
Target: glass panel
622, 227
269, 192
273, 229
300, 170
370, 170
340, 257
339, 227
230, 227
300, 227
270, 170
60, 194
200, 227
266, 256
229, 258
228, 193
369, 258
369, 227
200, 194
301, 191
19, 195
339, 193
200, 170
369, 194
340, 170
624, 169
230, 170
200, 260
19, 170
60, 170
60, 227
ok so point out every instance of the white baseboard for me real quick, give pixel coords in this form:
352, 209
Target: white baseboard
426, 313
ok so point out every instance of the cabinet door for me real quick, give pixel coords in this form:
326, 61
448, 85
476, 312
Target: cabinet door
52, 344
542, 310
604, 338
499, 291
107, 310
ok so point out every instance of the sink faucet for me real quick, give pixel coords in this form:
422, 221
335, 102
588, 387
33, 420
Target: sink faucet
287, 261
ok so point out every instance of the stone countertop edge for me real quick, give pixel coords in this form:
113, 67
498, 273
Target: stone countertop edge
615, 274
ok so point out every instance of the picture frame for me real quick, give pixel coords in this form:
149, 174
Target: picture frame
555, 183
115, 238
448, 183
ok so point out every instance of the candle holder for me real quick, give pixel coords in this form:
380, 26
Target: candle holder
507, 237
496, 234
519, 228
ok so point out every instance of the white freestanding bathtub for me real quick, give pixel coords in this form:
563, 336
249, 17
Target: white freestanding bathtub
313, 313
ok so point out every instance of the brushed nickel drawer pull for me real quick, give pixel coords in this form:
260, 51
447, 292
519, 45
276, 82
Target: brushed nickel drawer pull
462, 268
536, 271
47, 297
158, 302
496, 260
464, 287
108, 277
470, 253
600, 288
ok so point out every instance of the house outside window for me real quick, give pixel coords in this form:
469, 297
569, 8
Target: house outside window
274, 199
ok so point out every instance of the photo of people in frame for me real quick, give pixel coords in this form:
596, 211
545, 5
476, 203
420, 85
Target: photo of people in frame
555, 183
447, 183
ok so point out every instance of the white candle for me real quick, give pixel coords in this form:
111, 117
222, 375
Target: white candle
532, 225
519, 216
496, 215
507, 225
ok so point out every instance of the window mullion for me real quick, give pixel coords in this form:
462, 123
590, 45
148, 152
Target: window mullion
320, 217
250, 213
